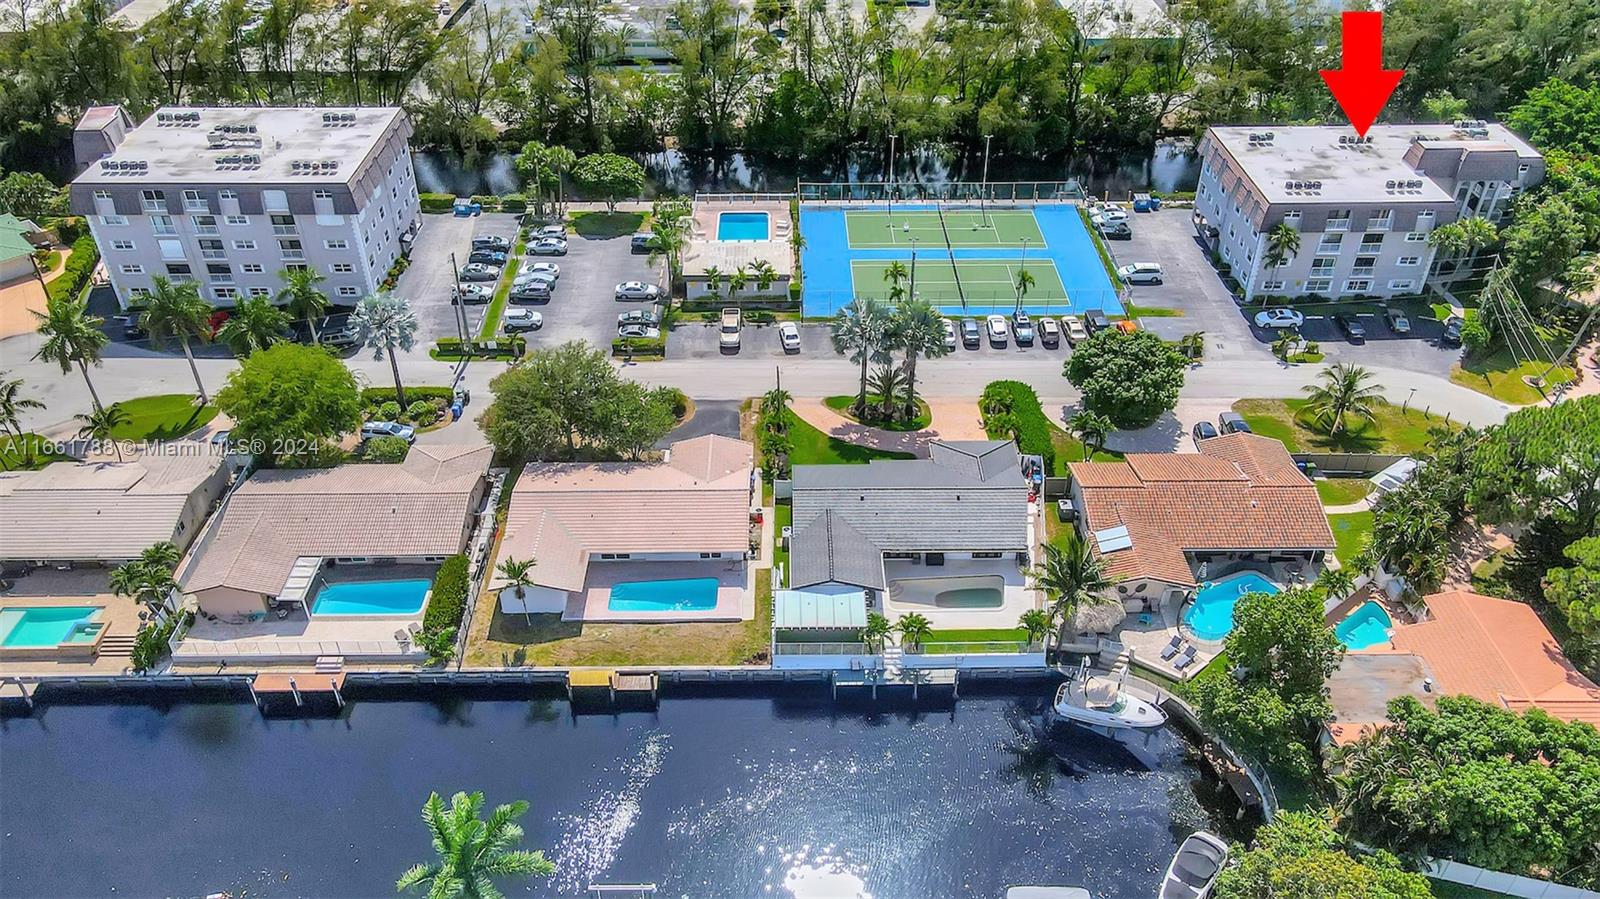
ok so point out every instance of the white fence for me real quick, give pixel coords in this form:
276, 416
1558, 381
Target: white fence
1500, 882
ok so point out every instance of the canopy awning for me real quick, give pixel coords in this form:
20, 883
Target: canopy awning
803, 609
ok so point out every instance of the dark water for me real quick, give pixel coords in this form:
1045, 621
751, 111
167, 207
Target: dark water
715, 797
1169, 168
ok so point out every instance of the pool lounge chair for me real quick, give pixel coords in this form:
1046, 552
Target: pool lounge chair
402, 637
1186, 659
1172, 647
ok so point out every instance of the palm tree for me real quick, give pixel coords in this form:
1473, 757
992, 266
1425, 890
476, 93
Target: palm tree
1411, 536
1343, 392
1091, 428
876, 630
1336, 583
1038, 623
254, 324
1463, 237
72, 337
775, 409
714, 281
101, 424
1072, 578
913, 628
301, 297
894, 273
472, 851
1024, 282
736, 282
12, 402
858, 333
1283, 244
176, 310
765, 274
149, 578
885, 385
519, 573
670, 239
919, 331
385, 324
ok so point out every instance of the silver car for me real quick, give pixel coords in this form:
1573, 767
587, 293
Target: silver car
637, 290
550, 246
477, 271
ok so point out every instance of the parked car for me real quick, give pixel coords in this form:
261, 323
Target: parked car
491, 242
642, 242
1108, 212
971, 336
339, 337
1022, 326
1351, 326
1116, 230
639, 331
523, 320
732, 324
525, 278
949, 327
478, 271
549, 246
1233, 423
133, 326
553, 269
471, 294
1280, 317
530, 292
637, 290
492, 257
638, 317
1398, 323
789, 336
1141, 273
1076, 332
388, 429
549, 232
998, 329
1049, 332
1204, 430
1452, 331
1096, 320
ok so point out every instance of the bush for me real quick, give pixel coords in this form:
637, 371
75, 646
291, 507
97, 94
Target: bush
387, 450
389, 411
1026, 417
1475, 335
760, 317
489, 202
504, 347
70, 230
80, 265
449, 599
639, 346
679, 401
374, 396
150, 644
513, 203
437, 202
422, 412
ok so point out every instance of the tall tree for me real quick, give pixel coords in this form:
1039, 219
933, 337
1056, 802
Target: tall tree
254, 324
72, 337
177, 311
1072, 578
917, 331
301, 298
385, 324
102, 425
1343, 393
12, 405
291, 399
471, 852
859, 330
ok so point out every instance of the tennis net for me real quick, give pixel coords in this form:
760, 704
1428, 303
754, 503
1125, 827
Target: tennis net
955, 269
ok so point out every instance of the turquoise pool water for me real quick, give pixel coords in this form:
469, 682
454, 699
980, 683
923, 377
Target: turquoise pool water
688, 595
1210, 616
742, 226
399, 597
1366, 626
46, 625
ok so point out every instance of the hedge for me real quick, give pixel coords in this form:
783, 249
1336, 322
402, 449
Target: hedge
437, 202
390, 450
449, 599
375, 396
503, 348
80, 265
639, 346
513, 203
1033, 427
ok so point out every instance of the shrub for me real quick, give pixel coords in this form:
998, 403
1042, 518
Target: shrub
489, 202
678, 400
389, 411
150, 644
1475, 335
639, 346
387, 450
437, 202
449, 599
513, 203
1026, 418
504, 347
760, 317
374, 396
80, 265
70, 230
422, 412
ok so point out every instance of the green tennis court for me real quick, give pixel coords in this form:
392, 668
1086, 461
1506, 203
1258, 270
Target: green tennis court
877, 229
983, 281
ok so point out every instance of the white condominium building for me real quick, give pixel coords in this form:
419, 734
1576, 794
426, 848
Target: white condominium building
228, 197
1363, 206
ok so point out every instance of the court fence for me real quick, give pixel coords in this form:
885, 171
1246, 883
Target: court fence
973, 192
949, 300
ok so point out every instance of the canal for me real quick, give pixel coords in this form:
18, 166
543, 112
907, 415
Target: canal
723, 796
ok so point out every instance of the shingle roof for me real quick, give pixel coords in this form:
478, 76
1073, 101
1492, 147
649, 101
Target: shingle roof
1240, 492
698, 500
829, 549
105, 511
416, 508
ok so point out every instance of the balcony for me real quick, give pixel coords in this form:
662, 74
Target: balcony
1330, 248
1380, 224
207, 230
198, 206
155, 207
1338, 224
294, 255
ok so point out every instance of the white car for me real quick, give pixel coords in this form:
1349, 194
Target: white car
644, 331
523, 320
637, 290
553, 269
547, 232
949, 333
544, 278
1141, 273
637, 317
1076, 332
473, 293
789, 336
1280, 318
1108, 213
732, 324
549, 246
998, 329
478, 271
1049, 332
388, 429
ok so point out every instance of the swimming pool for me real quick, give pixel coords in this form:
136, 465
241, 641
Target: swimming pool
742, 226
697, 594
1210, 616
1366, 626
396, 597
37, 626
972, 592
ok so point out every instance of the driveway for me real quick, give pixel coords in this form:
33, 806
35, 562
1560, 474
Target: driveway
1190, 284
427, 282
710, 417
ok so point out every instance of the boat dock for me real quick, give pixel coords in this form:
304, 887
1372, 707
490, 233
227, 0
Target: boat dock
915, 678
584, 683
301, 686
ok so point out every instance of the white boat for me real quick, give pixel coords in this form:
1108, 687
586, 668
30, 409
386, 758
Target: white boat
1032, 892
1195, 868
1105, 702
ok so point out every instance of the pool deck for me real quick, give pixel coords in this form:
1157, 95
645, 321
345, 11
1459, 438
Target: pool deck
1019, 597
296, 638
736, 597
74, 587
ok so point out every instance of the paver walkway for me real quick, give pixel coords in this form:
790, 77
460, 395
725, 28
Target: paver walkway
952, 419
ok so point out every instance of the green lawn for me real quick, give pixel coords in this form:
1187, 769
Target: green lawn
1350, 533
502, 292
782, 517
1136, 311
29, 451
1342, 491
163, 417
812, 447
1070, 449
974, 640
602, 225
841, 405
1391, 431
1499, 375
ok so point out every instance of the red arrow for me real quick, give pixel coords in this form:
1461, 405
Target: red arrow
1363, 86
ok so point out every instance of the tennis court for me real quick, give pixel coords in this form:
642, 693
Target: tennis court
985, 282
870, 229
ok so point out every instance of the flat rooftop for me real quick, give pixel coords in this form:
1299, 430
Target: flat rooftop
184, 144
1354, 173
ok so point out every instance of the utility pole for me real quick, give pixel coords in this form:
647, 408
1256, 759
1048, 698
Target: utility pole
460, 303
891, 174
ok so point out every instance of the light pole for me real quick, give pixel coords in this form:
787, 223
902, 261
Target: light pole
460, 303
912, 291
890, 185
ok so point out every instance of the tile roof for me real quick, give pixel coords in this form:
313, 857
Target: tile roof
416, 508
828, 549
697, 500
99, 510
1240, 492
1498, 651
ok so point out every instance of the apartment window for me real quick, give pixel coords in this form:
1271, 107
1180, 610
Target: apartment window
1357, 285
193, 202
349, 291
205, 224
122, 245
295, 267
322, 195
171, 249
113, 220
1364, 265
228, 194
133, 269
1401, 285
1381, 220
163, 224
1339, 220
211, 249
283, 225
1271, 285
244, 245
153, 200
1318, 285
292, 249
224, 293
606, 557
275, 201
251, 268
1416, 237
139, 293
1523, 169
1323, 266
342, 268
336, 244
220, 273
1408, 260
1370, 244
1292, 218
237, 221
711, 555
102, 195
260, 292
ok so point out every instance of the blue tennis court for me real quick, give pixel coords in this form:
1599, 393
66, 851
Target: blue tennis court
958, 253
